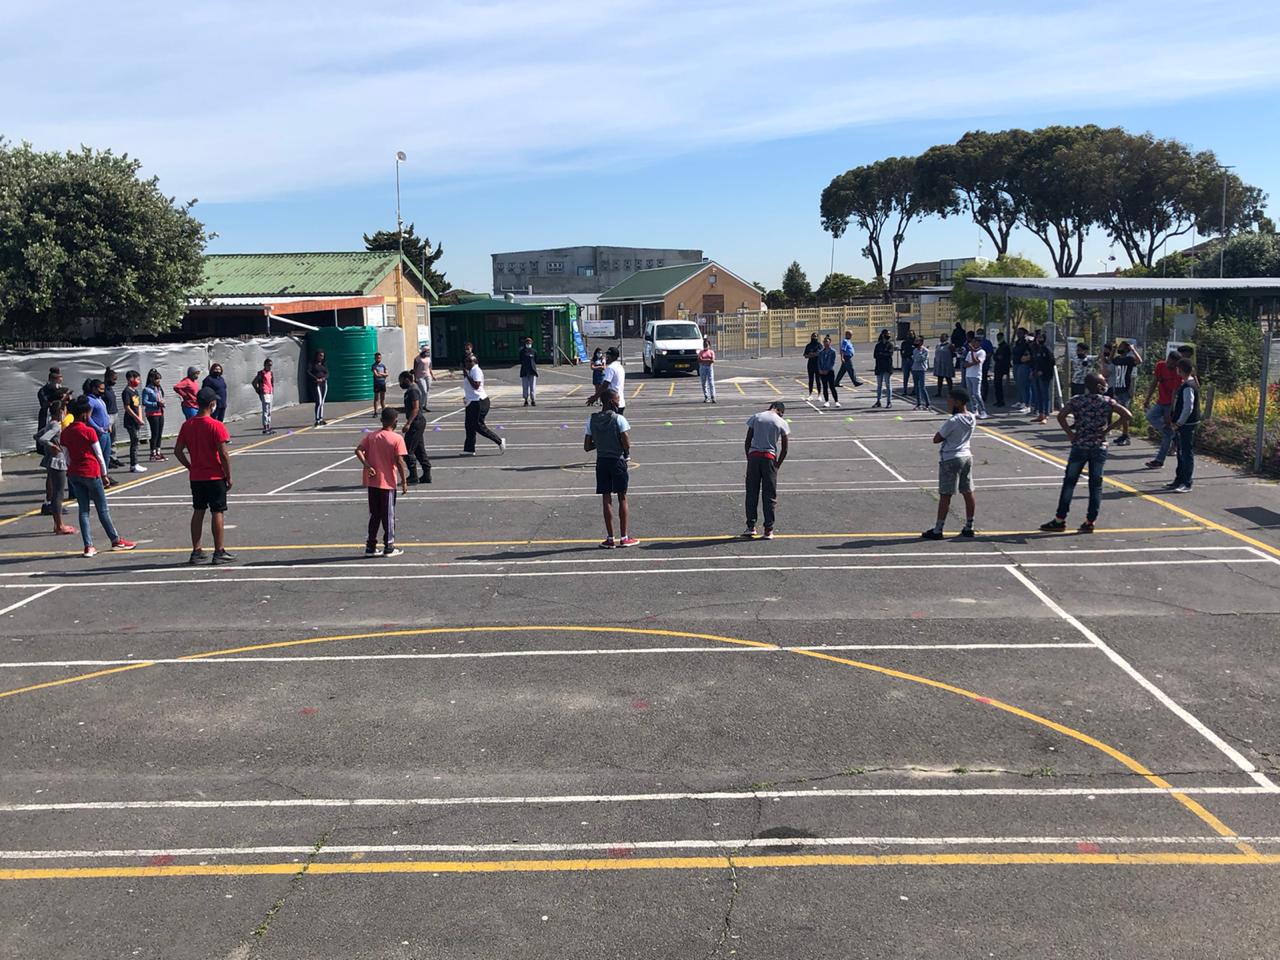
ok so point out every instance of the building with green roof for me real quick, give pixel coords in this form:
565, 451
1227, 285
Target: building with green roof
676, 292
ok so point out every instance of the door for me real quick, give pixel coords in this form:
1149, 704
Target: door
713, 303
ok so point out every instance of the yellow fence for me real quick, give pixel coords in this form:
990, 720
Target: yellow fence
777, 330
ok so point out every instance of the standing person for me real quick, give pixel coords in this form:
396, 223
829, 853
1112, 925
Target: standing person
264, 385
883, 354
907, 349
153, 407
614, 378
1001, 365
607, 434
919, 365
477, 400
109, 399
202, 448
379, 371
766, 448
958, 337
598, 363
827, 373
134, 421
216, 382
1184, 418
847, 352
318, 374
100, 420
49, 391
1092, 411
1164, 384
1022, 353
706, 371
975, 361
1124, 361
54, 462
955, 463
944, 364
415, 430
1081, 366
811, 351
187, 390
86, 467
529, 373
990, 349
423, 375
383, 456
1043, 367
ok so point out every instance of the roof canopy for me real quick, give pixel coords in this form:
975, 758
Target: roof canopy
300, 274
489, 305
654, 284
1123, 288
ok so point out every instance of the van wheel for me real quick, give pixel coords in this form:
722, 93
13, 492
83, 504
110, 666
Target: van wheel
645, 363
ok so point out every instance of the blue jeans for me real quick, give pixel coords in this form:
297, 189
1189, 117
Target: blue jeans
1186, 455
707, 374
1042, 388
1022, 378
974, 386
1095, 458
1158, 416
884, 384
86, 489
922, 391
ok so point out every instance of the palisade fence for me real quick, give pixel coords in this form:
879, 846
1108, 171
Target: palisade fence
776, 333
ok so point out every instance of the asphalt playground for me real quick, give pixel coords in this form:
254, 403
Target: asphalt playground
847, 742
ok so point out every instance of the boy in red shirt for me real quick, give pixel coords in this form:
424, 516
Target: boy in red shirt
202, 449
1164, 384
382, 454
85, 469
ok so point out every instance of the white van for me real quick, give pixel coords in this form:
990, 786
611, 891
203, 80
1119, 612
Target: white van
671, 345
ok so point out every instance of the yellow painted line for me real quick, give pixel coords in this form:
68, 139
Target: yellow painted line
724, 862
671, 389
76, 679
739, 386
571, 392
727, 538
769, 383
1127, 488
637, 390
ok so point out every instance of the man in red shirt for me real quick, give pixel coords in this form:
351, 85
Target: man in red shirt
382, 455
202, 449
1165, 382
86, 467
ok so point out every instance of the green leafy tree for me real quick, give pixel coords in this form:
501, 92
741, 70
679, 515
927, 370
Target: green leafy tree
977, 175
1058, 192
838, 288
415, 250
883, 199
1022, 313
775, 299
84, 238
1245, 255
795, 285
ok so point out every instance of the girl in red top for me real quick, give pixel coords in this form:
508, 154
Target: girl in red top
706, 371
85, 470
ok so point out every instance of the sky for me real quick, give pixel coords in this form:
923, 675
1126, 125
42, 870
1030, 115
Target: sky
712, 125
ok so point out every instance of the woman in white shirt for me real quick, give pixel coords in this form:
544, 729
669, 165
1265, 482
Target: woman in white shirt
477, 408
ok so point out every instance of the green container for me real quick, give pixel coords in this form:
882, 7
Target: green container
348, 352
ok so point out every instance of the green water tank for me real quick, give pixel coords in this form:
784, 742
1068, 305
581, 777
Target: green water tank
348, 352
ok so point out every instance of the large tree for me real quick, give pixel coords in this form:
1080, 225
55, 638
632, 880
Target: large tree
977, 175
86, 244
1022, 313
883, 196
1058, 192
417, 250
795, 285
839, 287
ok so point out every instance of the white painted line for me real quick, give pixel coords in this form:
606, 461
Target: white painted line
594, 652
867, 450
313, 473
588, 798
31, 599
1230, 752
1014, 446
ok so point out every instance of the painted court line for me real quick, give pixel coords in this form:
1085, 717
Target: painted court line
31, 599
1230, 752
867, 450
313, 473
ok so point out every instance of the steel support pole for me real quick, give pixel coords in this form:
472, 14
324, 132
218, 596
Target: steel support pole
1261, 433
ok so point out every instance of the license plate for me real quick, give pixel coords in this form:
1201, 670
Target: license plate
682, 366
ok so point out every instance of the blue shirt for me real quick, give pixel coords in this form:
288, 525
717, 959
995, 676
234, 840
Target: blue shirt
98, 415
827, 359
846, 348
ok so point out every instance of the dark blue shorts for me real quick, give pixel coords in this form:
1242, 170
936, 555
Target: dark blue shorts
611, 475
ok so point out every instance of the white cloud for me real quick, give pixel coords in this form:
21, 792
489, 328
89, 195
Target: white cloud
239, 100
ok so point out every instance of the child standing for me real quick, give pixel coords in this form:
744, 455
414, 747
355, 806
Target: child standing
607, 436
955, 468
944, 364
86, 466
919, 364
264, 385
54, 461
382, 454
706, 371
153, 407
133, 418
379, 371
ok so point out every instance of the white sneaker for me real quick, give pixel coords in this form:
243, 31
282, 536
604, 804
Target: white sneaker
137, 468
502, 444
837, 404
984, 415
826, 403
1181, 488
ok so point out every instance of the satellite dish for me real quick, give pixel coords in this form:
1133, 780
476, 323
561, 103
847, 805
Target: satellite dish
400, 156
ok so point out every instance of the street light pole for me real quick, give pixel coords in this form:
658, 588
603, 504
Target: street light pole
1222, 247
400, 158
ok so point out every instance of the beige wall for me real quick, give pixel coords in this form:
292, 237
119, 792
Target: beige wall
413, 297
691, 292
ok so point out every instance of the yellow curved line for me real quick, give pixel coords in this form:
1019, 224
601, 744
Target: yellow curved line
1123, 758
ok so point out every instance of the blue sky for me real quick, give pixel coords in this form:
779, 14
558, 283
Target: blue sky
656, 122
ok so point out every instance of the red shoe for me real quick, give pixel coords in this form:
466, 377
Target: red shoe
628, 542
123, 544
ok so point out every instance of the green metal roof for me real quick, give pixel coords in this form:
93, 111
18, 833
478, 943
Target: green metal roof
653, 284
488, 305
353, 273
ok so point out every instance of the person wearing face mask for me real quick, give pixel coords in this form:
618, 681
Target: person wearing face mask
529, 373
883, 354
218, 384
1042, 369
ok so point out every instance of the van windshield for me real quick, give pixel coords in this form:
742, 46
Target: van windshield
677, 331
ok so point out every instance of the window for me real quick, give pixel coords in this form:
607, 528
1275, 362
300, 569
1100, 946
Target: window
555, 266
660, 262
393, 319
511, 268
615, 265
421, 311
649, 263
499, 268
533, 266
626, 264
586, 271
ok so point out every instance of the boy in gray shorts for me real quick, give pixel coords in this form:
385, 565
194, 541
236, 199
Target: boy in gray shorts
955, 470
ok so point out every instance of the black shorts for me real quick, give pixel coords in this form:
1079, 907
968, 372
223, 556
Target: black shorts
380, 388
611, 475
209, 495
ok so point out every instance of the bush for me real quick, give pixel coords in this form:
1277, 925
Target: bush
1229, 353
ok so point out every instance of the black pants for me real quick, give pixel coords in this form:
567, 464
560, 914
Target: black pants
382, 514
813, 374
477, 410
157, 432
1186, 455
846, 366
828, 380
132, 430
999, 382
986, 378
415, 444
762, 480
906, 374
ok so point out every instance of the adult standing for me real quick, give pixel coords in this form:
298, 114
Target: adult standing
1081, 366
1124, 361
907, 348
109, 399
975, 360
383, 456
1092, 412
598, 364
379, 371
883, 353
153, 407
100, 420
216, 382
944, 365
86, 467
847, 352
1164, 384
187, 391
49, 391
1043, 367
318, 374
202, 448
919, 366
827, 374
1184, 418
607, 434
707, 371
990, 349
529, 373
765, 447
415, 430
811, 351
264, 385
423, 375
134, 421
477, 400
1022, 350
1003, 362
959, 339
614, 378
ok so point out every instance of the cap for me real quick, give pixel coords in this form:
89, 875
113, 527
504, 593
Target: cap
206, 396
193, 371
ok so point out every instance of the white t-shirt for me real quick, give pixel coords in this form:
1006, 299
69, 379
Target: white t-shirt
615, 378
956, 432
974, 372
469, 392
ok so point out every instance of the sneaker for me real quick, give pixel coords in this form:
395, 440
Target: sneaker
826, 403
967, 532
1181, 488
46, 509
393, 552
468, 453
123, 544
607, 543
1123, 442
837, 404
197, 556
533, 403
984, 415
628, 542
114, 464
1154, 464
426, 477
411, 479
502, 444
221, 556
1086, 527
370, 551
768, 533
526, 403
90, 551
1054, 525
876, 405
932, 534
749, 533
137, 468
